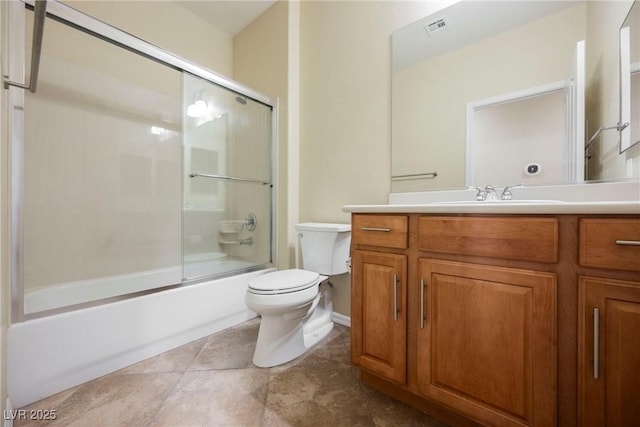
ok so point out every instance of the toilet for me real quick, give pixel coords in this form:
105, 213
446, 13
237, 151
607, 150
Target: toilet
295, 304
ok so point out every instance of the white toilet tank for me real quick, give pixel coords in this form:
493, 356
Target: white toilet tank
325, 247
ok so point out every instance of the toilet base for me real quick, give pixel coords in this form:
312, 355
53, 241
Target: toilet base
284, 337
312, 338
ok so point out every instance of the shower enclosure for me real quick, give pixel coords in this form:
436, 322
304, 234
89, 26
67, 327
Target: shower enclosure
132, 169
227, 180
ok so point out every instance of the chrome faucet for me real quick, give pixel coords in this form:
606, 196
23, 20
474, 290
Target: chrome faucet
491, 193
481, 195
506, 193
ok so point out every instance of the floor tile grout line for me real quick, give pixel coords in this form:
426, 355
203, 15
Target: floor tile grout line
169, 393
175, 386
266, 399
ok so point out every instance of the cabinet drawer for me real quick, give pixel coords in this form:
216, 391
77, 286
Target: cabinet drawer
389, 231
610, 243
516, 238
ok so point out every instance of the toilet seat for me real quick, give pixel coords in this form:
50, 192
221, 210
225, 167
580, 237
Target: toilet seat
283, 282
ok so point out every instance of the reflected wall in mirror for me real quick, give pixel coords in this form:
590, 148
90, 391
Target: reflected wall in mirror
605, 158
630, 79
487, 49
525, 129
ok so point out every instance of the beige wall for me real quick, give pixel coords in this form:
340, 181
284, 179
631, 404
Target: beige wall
168, 26
603, 100
345, 107
345, 104
261, 61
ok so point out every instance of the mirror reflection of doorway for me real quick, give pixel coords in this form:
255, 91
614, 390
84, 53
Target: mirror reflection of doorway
518, 133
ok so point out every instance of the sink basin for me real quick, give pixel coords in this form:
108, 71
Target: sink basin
500, 202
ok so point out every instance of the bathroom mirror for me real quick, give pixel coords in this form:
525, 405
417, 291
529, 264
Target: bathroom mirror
630, 79
474, 51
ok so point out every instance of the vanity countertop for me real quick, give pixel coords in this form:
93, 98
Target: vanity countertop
511, 207
592, 198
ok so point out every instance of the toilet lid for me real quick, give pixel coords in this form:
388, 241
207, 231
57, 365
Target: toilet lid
284, 281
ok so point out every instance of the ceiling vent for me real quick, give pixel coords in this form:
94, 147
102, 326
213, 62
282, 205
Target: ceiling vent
436, 25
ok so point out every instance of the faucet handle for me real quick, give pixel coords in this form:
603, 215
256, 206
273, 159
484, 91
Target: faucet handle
481, 195
506, 193
491, 192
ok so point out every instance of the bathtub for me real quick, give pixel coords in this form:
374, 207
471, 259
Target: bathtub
82, 291
50, 354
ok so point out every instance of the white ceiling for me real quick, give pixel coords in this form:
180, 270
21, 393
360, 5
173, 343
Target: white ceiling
230, 16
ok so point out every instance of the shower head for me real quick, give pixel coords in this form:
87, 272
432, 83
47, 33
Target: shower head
241, 99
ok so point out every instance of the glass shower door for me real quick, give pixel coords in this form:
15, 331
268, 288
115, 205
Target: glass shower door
227, 192
101, 173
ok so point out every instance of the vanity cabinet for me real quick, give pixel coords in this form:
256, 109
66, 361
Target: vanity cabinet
379, 345
486, 341
609, 323
434, 313
486, 335
489, 319
379, 295
609, 352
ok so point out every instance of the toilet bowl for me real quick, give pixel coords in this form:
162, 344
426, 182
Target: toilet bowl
296, 305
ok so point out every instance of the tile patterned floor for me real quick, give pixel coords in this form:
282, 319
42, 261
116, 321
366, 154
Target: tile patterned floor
212, 382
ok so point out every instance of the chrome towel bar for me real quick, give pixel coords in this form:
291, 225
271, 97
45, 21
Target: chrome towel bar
228, 178
40, 13
618, 127
429, 175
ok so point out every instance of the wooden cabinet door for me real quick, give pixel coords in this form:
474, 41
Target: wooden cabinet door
608, 352
487, 342
378, 313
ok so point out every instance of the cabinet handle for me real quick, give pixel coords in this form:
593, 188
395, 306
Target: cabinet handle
628, 242
395, 297
596, 343
384, 230
421, 304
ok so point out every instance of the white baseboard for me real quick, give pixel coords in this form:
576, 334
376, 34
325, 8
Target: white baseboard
341, 319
